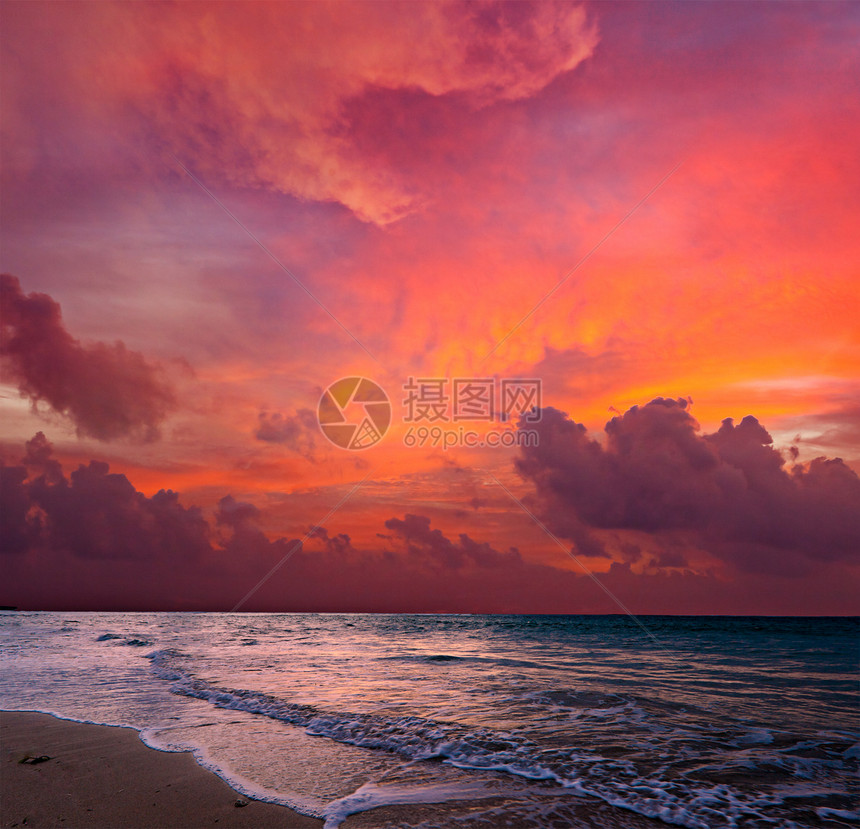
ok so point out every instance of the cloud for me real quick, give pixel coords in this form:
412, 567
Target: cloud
256, 94
16, 532
94, 514
336, 544
573, 372
107, 390
837, 429
730, 491
434, 546
90, 541
298, 432
235, 514
669, 558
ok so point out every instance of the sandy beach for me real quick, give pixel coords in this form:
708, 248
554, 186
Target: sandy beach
98, 776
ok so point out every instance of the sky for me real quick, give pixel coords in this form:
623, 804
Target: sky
213, 212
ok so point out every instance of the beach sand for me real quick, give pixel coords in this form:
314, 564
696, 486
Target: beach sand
102, 777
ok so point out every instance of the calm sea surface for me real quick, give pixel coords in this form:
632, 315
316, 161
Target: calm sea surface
720, 722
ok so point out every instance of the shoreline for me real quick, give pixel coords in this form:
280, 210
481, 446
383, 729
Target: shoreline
99, 776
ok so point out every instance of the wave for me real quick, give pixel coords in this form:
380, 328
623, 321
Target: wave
133, 641
456, 658
414, 738
689, 799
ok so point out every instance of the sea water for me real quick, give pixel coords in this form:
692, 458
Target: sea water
694, 721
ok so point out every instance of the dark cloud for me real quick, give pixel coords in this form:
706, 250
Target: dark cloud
107, 390
731, 490
435, 546
337, 544
97, 514
235, 514
669, 558
298, 432
90, 541
16, 532
101, 544
246, 546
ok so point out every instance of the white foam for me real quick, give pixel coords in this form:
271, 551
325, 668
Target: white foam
372, 795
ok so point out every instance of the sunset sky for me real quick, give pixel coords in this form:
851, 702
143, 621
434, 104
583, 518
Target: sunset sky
211, 212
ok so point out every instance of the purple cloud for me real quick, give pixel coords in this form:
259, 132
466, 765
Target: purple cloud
731, 490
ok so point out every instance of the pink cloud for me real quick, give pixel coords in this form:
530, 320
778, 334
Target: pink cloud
106, 390
253, 94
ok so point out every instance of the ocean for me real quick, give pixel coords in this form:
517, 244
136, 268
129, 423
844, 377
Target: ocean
519, 721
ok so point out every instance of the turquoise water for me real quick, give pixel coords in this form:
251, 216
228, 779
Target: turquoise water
701, 722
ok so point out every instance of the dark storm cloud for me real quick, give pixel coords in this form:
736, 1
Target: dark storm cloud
107, 390
731, 490
433, 545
